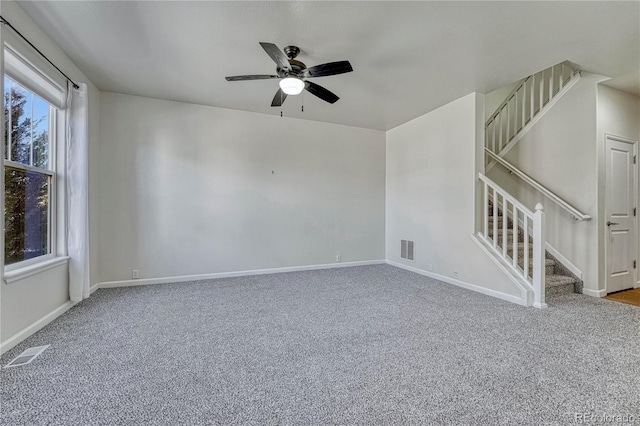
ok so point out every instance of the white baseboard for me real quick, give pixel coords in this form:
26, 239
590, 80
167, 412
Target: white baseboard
33, 328
93, 288
594, 293
184, 278
487, 291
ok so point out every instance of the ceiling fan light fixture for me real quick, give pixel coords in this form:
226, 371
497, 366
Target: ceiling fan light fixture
293, 74
291, 85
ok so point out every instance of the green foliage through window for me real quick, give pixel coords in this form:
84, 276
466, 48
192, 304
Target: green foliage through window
27, 174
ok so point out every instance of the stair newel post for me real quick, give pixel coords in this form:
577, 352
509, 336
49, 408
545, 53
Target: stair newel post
485, 215
539, 257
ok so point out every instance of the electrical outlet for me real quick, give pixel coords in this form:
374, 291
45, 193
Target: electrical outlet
135, 274
339, 258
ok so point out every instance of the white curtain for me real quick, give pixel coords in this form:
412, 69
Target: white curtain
77, 184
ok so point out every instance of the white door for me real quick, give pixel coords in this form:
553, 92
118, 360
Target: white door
620, 210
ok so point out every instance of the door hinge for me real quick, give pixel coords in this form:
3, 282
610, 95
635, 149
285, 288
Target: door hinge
634, 264
634, 159
634, 211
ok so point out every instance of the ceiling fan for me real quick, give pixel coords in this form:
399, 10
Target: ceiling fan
294, 74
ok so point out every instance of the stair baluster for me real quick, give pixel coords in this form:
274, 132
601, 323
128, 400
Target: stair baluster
496, 236
537, 93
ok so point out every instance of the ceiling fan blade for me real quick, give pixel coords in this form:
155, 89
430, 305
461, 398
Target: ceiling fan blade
250, 77
279, 98
330, 68
277, 55
320, 92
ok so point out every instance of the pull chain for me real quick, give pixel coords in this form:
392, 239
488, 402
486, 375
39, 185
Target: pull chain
281, 102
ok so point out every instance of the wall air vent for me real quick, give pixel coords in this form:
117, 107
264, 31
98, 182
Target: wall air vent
406, 249
26, 356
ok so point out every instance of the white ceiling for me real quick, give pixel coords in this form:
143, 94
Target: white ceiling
408, 57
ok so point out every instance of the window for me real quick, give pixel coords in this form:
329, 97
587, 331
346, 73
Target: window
29, 170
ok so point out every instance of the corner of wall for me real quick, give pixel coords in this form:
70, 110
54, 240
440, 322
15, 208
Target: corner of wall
29, 305
432, 195
479, 159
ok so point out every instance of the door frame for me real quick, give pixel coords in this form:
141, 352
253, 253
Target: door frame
603, 223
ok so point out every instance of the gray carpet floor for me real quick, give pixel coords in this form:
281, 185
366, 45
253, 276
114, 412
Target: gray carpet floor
364, 345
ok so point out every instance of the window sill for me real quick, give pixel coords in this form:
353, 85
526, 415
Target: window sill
36, 268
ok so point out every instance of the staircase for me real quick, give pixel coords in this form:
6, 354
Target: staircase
558, 279
511, 233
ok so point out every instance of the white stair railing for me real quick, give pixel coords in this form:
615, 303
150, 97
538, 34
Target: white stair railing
525, 104
504, 238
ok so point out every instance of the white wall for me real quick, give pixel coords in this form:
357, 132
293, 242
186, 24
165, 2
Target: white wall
619, 115
560, 152
188, 189
25, 301
430, 189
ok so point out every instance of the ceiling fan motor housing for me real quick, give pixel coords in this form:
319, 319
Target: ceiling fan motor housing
291, 51
296, 69
296, 66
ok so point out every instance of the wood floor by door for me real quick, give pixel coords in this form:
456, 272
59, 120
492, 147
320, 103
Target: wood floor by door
630, 297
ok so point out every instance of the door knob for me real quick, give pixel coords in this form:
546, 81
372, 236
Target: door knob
609, 223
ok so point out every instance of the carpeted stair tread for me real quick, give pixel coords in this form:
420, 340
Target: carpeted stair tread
500, 236
520, 249
555, 283
549, 264
509, 231
559, 280
509, 238
499, 222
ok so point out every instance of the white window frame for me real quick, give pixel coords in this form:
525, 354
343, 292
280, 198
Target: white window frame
56, 225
